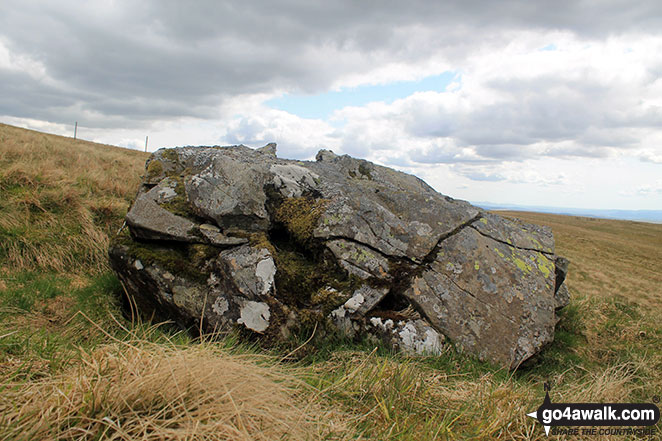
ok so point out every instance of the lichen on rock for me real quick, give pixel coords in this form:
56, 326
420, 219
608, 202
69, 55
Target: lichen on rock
226, 238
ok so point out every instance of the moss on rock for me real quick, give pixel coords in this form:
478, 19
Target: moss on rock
300, 216
182, 260
154, 169
312, 283
179, 205
170, 155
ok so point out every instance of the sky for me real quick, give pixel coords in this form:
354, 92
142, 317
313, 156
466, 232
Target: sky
514, 102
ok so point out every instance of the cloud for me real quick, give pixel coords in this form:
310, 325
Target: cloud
649, 155
163, 59
654, 188
579, 81
511, 173
296, 137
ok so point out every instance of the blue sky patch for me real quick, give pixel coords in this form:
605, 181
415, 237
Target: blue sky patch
322, 105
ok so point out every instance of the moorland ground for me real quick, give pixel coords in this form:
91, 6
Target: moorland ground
73, 366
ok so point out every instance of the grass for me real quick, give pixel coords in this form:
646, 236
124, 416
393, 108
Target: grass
61, 199
141, 390
73, 367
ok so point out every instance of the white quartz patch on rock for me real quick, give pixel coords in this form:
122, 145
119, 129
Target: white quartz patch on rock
254, 315
265, 271
292, 179
412, 336
252, 270
355, 302
420, 338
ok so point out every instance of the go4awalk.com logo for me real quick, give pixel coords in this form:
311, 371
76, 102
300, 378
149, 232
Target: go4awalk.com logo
635, 419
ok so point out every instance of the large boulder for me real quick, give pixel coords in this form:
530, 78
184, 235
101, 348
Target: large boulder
227, 237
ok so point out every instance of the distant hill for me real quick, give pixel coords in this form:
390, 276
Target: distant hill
654, 216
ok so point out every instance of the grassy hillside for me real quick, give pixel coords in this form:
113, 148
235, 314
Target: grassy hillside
61, 199
71, 367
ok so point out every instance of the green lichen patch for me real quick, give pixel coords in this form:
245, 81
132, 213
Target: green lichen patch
535, 242
522, 265
545, 265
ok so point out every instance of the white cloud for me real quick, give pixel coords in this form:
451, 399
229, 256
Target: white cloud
545, 100
650, 189
296, 137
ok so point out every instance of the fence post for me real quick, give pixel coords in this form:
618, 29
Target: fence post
146, 138
75, 129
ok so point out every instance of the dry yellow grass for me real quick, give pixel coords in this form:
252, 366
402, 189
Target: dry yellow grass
61, 198
144, 391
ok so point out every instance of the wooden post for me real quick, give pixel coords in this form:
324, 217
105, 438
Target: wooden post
75, 129
146, 138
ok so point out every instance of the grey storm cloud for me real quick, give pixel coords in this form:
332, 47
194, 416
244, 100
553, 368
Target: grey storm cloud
121, 62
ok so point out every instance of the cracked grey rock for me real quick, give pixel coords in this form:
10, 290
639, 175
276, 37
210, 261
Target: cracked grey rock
489, 285
325, 155
516, 233
359, 260
397, 214
240, 283
230, 192
478, 288
292, 180
251, 270
148, 220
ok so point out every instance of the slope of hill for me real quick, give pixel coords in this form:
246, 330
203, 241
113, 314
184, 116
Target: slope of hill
61, 198
71, 367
